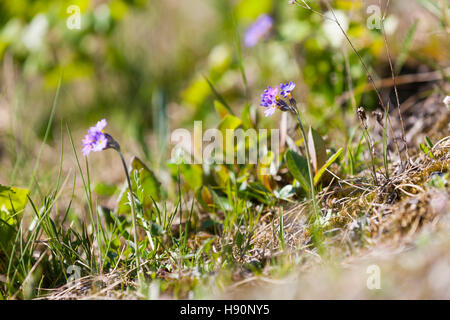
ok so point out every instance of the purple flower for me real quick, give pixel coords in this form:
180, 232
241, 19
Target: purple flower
269, 97
270, 110
272, 100
96, 139
286, 89
257, 30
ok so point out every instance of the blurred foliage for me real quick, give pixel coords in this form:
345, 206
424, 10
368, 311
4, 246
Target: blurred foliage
149, 66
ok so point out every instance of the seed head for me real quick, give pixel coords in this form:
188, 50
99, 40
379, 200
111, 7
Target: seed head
379, 116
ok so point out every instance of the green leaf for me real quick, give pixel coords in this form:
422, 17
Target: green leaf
263, 169
239, 239
105, 190
220, 202
156, 230
12, 199
204, 197
193, 175
221, 109
426, 150
428, 142
229, 122
107, 215
218, 95
317, 149
351, 161
150, 186
332, 159
246, 117
298, 167
196, 94
12, 202
256, 190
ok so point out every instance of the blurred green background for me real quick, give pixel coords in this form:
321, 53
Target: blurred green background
142, 65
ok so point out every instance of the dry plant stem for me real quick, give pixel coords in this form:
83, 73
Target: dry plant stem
444, 14
133, 213
349, 79
369, 76
372, 155
395, 84
311, 179
400, 80
363, 119
366, 69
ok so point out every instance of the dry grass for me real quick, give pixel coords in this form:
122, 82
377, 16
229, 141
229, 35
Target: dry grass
401, 225
408, 240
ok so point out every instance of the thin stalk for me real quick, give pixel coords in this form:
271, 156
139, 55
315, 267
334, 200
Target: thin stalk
47, 132
91, 214
395, 87
385, 151
311, 178
372, 156
281, 236
366, 69
363, 119
369, 76
133, 213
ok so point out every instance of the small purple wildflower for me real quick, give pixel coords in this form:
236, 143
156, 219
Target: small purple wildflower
269, 97
286, 89
272, 98
96, 139
257, 30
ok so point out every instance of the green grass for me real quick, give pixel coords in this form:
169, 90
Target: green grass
178, 230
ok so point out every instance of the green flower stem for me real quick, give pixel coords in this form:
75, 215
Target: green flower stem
311, 178
133, 213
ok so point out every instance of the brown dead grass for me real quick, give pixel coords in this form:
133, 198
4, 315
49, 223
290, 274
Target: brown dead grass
402, 226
